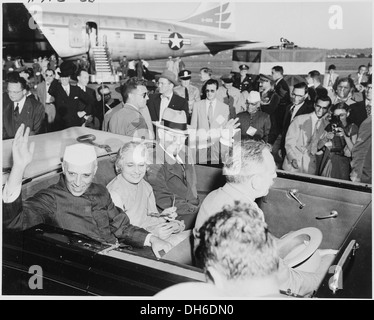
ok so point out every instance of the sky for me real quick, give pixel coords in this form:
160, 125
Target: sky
322, 24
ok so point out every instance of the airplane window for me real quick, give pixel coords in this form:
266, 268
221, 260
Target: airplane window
139, 36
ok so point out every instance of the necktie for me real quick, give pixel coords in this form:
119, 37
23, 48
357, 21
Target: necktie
186, 94
315, 138
16, 112
210, 114
291, 112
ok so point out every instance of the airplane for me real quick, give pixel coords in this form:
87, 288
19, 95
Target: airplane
209, 30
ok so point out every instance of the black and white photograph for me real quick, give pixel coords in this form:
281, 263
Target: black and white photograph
177, 150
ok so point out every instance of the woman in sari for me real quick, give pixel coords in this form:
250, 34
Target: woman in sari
134, 195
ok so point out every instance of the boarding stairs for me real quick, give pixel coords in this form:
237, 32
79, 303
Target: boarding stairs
103, 67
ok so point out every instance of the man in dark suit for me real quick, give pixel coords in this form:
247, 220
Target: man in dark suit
283, 91
20, 109
300, 105
46, 99
315, 87
72, 108
158, 102
90, 96
362, 109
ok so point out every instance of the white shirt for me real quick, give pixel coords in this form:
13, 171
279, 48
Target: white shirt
48, 96
82, 87
165, 99
66, 88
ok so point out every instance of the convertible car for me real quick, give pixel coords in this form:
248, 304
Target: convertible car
72, 264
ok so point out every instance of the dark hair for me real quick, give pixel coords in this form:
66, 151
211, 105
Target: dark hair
301, 85
278, 69
14, 77
129, 86
332, 67
49, 69
340, 105
80, 70
323, 98
212, 81
315, 74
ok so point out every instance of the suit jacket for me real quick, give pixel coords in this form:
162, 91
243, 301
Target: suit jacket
32, 115
199, 119
298, 143
176, 102
283, 91
67, 107
307, 107
169, 180
129, 121
93, 214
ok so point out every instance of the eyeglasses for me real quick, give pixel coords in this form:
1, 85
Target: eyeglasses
207, 90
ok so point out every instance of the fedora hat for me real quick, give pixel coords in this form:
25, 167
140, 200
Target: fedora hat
167, 74
298, 248
173, 120
67, 69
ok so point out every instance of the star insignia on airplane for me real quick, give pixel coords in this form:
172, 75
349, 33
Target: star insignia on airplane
175, 41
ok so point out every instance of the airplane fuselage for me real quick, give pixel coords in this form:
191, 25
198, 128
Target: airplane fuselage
69, 35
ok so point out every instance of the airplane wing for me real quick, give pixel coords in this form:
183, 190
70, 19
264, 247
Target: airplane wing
217, 46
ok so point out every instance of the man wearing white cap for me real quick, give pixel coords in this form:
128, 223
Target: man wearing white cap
254, 124
74, 203
187, 90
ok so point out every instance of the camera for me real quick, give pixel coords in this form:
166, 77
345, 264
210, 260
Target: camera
335, 123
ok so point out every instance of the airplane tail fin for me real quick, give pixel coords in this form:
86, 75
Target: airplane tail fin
214, 16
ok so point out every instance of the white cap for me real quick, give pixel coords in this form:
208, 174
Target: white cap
254, 97
80, 154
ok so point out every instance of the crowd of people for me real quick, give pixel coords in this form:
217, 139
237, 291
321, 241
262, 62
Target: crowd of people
249, 125
304, 124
